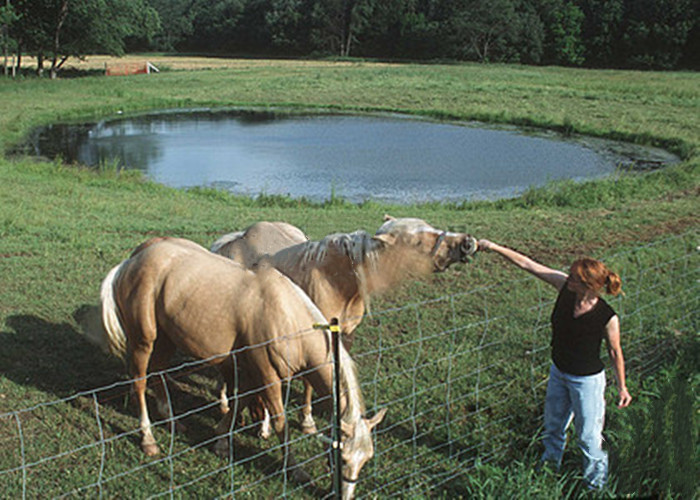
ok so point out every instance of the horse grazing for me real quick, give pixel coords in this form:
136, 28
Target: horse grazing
341, 271
174, 294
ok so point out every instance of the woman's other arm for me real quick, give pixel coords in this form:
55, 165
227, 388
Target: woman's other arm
612, 332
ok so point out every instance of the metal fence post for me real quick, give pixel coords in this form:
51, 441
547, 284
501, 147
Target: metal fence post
337, 456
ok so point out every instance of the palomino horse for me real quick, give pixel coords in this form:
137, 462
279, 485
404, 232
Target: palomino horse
262, 238
340, 272
173, 294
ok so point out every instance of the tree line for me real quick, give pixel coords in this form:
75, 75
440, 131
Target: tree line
642, 34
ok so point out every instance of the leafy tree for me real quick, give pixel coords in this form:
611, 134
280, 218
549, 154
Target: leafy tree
285, 23
485, 30
253, 34
402, 28
337, 22
563, 23
55, 30
602, 20
175, 22
32, 31
214, 24
656, 31
530, 38
8, 17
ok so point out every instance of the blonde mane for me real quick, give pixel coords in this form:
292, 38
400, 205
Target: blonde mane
358, 246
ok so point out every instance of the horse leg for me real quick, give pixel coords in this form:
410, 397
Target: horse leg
308, 426
272, 397
163, 351
230, 418
139, 366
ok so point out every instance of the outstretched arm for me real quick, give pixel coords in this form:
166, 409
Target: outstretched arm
555, 278
612, 332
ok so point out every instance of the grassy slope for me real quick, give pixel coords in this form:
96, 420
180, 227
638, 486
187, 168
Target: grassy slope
62, 228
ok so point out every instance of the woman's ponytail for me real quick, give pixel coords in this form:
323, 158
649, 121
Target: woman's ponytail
613, 283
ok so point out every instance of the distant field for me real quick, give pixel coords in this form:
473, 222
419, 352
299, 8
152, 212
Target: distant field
176, 62
480, 326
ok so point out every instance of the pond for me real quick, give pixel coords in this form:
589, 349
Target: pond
387, 158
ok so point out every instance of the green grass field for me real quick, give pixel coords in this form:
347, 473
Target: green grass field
458, 358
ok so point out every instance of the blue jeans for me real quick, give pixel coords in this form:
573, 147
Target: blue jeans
582, 399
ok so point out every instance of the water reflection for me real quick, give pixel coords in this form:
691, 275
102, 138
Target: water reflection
386, 158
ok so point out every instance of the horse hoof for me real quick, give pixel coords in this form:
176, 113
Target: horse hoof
301, 476
221, 448
151, 450
307, 428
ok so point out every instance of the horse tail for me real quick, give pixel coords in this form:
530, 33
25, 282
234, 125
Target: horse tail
113, 338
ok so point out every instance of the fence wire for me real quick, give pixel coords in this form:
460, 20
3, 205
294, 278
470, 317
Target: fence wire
462, 376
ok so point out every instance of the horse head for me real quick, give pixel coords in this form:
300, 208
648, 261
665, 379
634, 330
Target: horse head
444, 247
358, 449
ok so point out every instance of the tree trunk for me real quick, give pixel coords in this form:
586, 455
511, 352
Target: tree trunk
346, 36
18, 63
4, 50
55, 66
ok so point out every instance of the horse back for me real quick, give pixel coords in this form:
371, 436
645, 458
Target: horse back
259, 240
208, 305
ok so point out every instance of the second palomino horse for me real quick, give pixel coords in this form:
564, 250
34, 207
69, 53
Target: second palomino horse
341, 271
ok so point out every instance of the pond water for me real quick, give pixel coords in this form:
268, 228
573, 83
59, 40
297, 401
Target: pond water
387, 158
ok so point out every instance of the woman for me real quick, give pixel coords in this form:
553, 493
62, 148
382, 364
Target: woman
580, 321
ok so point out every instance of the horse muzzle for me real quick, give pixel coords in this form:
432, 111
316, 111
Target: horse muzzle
467, 248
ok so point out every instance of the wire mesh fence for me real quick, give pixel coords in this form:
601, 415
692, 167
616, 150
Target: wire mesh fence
462, 376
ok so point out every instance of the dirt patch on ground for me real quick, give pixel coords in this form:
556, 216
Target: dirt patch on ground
174, 62
641, 235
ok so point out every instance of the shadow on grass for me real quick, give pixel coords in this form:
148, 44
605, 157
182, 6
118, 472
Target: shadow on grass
53, 357
57, 360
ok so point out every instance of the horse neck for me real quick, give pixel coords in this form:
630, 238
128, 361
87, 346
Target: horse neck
393, 264
351, 264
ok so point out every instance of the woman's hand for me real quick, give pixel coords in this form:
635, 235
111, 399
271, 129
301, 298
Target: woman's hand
625, 398
484, 245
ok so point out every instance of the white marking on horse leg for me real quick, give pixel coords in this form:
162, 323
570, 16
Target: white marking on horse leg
348, 490
308, 426
265, 426
148, 442
223, 399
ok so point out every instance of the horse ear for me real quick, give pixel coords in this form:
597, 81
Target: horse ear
387, 238
388, 217
375, 420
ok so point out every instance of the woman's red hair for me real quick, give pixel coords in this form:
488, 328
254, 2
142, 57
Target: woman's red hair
596, 275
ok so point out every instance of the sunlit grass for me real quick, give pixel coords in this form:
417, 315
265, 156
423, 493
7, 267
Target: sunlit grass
63, 227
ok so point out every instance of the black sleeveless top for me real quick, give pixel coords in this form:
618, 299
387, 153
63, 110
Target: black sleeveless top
576, 341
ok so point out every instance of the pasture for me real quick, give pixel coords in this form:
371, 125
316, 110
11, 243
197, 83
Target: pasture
458, 358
